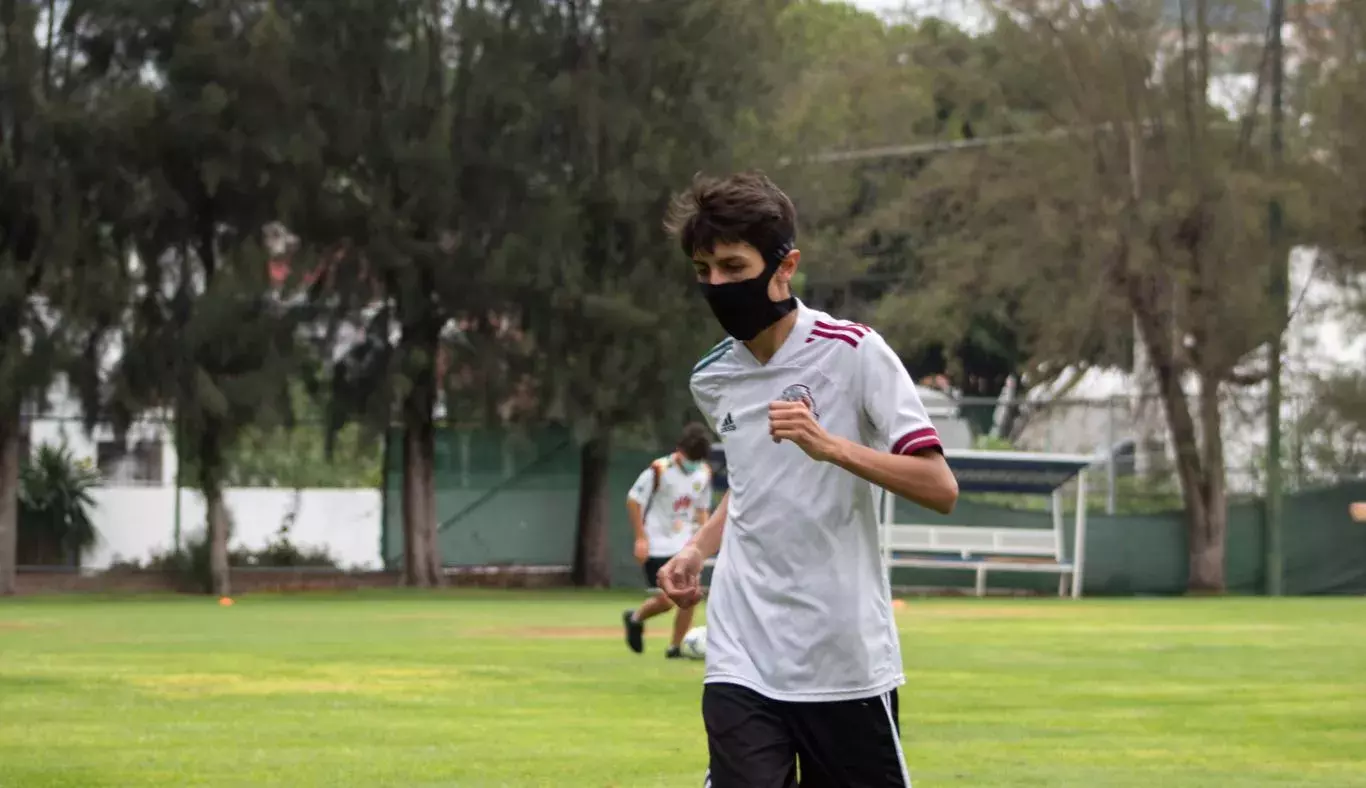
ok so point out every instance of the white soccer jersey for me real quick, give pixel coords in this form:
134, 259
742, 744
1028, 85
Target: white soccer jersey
671, 511
800, 607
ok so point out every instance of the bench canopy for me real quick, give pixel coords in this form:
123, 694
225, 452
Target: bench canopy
1014, 471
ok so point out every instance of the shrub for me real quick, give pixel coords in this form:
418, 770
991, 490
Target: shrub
54, 508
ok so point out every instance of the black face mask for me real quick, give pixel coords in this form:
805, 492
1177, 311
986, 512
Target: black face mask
743, 308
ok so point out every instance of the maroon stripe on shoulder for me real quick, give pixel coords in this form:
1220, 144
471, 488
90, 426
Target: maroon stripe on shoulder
917, 440
816, 332
856, 329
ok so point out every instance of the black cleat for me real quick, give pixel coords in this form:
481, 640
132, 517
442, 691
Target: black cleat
635, 632
674, 652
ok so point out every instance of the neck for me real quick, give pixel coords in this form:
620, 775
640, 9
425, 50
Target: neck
770, 339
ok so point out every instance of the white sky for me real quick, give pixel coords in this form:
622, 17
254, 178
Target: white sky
960, 12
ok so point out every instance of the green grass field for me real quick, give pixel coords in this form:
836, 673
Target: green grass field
521, 688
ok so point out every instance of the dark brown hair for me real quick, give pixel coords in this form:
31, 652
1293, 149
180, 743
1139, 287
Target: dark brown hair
695, 442
744, 207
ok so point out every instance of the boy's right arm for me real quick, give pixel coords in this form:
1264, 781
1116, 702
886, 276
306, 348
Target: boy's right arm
636, 499
635, 513
681, 577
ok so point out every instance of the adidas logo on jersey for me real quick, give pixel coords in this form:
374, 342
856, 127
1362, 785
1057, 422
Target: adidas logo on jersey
728, 424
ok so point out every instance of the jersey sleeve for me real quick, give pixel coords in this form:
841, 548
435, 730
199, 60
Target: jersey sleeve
704, 402
891, 403
704, 383
645, 482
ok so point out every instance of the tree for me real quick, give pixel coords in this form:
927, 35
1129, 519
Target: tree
423, 212
1332, 106
644, 94
217, 149
846, 82
1144, 208
863, 105
54, 252
978, 95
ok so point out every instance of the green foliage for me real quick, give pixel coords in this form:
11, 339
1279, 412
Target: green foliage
191, 563
422, 221
219, 152
54, 188
1134, 494
1326, 438
297, 457
56, 107
988, 442
281, 552
654, 95
1162, 216
854, 83
1329, 96
298, 452
55, 506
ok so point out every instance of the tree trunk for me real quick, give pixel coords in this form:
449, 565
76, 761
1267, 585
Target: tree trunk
1202, 483
1201, 472
1207, 539
9, 499
219, 526
421, 557
591, 565
219, 523
412, 548
1208, 533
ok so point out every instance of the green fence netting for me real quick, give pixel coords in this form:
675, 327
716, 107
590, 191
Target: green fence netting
511, 496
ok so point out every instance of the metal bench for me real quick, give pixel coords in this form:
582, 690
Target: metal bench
984, 549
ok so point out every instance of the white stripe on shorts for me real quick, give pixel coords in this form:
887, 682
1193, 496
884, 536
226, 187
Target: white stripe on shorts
896, 739
706, 781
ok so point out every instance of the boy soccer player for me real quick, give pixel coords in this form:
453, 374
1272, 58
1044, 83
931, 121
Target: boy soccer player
669, 500
803, 658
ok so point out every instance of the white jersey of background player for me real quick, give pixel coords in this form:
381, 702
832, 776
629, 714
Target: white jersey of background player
815, 413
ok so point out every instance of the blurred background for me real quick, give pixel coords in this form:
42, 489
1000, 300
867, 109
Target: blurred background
379, 287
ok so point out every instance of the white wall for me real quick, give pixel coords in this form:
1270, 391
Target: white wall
71, 433
135, 522
61, 424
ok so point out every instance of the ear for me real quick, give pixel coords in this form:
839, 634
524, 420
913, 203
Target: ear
788, 267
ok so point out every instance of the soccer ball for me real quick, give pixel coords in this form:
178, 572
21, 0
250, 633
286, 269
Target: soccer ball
694, 645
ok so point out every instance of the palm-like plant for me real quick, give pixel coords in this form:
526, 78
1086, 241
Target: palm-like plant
54, 507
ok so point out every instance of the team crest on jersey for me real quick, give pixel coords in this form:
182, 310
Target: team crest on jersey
798, 392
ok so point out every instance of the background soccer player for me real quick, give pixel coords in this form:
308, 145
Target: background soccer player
669, 500
803, 656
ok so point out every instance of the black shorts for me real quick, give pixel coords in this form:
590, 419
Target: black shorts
756, 742
652, 567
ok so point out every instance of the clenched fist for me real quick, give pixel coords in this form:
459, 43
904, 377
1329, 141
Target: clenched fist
795, 422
